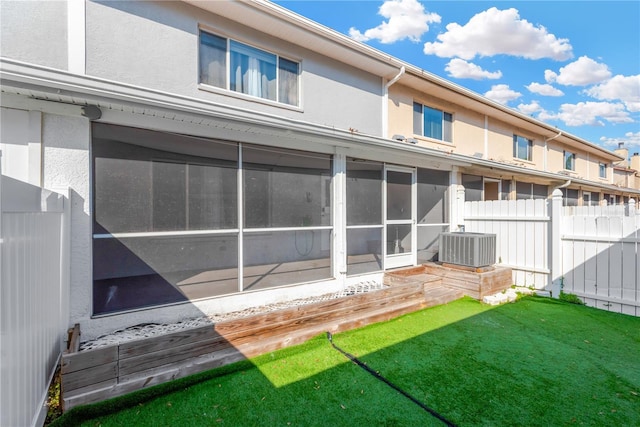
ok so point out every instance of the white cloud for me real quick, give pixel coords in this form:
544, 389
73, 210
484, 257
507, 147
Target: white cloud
544, 89
546, 116
584, 71
623, 88
461, 69
631, 141
502, 94
530, 109
593, 114
495, 32
405, 19
550, 76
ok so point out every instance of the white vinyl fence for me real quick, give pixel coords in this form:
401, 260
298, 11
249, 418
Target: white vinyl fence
34, 284
592, 252
600, 258
522, 228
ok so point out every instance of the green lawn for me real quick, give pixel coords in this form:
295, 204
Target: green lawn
536, 362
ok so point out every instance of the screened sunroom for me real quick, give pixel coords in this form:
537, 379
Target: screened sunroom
180, 218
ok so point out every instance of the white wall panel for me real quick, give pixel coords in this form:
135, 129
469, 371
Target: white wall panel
30, 330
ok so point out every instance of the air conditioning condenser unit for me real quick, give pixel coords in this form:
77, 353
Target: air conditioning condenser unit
468, 249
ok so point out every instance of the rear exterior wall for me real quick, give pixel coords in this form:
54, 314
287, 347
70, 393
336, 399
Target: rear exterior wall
35, 32
156, 46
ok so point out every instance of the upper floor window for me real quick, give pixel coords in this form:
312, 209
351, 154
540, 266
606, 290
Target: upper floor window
522, 148
569, 161
602, 170
235, 66
432, 122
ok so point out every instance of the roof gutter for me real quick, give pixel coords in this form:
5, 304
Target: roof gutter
385, 102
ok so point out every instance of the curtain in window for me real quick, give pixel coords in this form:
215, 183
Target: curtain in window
253, 71
288, 81
213, 60
569, 160
432, 123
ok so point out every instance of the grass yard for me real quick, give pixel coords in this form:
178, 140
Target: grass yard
536, 362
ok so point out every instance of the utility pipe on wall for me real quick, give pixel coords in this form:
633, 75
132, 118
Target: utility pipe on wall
565, 185
385, 102
561, 186
546, 150
485, 155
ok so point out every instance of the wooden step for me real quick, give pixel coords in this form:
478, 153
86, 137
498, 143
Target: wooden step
439, 295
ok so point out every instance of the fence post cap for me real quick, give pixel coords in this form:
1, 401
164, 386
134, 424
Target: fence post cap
556, 193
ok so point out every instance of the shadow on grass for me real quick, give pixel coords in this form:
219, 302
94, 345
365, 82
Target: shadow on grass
536, 362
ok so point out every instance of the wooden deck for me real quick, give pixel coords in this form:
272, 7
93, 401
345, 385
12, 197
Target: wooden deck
94, 375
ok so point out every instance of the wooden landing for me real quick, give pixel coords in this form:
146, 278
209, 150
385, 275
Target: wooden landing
94, 375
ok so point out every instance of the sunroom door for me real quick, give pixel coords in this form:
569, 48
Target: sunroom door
400, 214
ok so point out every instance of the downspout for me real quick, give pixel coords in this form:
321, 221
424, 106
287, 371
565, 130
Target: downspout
561, 186
485, 155
565, 185
546, 151
385, 102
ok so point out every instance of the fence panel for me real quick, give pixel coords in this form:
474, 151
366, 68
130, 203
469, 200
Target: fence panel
521, 228
30, 300
595, 211
600, 257
599, 248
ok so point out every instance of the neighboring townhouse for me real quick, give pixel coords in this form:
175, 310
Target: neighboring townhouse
515, 156
221, 155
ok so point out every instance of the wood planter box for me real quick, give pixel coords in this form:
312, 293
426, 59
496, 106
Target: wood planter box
94, 375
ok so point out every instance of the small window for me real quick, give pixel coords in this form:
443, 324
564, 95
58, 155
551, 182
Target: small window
602, 170
432, 123
247, 70
569, 161
522, 148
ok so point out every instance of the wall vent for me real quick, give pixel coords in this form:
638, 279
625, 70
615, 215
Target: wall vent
469, 249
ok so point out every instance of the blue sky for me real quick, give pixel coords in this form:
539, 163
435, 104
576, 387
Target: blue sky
572, 64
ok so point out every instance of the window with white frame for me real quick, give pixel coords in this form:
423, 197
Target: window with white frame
569, 161
432, 123
602, 170
522, 148
231, 65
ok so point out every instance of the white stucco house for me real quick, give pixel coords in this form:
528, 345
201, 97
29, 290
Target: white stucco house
220, 155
